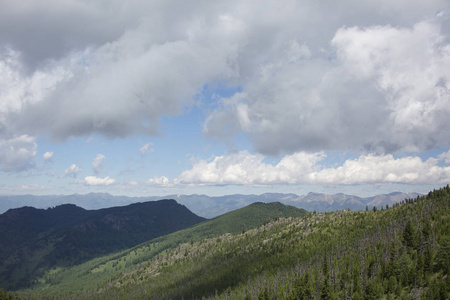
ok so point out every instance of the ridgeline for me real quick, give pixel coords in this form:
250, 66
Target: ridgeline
397, 252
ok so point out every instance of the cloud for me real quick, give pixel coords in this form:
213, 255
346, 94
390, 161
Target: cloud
17, 153
97, 163
105, 23
248, 169
132, 183
147, 148
94, 181
158, 181
118, 88
378, 89
372, 169
445, 157
72, 171
24, 188
305, 84
243, 168
47, 156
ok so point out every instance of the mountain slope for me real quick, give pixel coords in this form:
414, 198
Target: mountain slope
34, 240
93, 272
396, 253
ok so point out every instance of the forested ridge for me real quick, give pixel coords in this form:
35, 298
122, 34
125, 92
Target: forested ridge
399, 252
33, 241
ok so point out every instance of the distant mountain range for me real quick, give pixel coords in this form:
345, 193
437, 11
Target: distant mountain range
35, 240
210, 207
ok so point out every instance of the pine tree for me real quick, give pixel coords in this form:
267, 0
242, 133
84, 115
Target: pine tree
410, 235
443, 254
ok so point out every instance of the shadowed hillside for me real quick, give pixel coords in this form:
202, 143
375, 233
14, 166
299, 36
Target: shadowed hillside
96, 271
34, 240
399, 252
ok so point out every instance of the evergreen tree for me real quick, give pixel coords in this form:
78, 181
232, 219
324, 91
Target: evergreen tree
302, 289
410, 235
426, 230
443, 254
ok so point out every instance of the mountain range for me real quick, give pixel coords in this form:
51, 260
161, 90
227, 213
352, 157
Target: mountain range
261, 251
210, 207
33, 240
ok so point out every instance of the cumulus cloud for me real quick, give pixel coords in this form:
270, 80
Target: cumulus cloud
94, 181
374, 169
243, 168
147, 148
17, 153
382, 89
72, 171
158, 181
97, 163
119, 87
47, 156
373, 78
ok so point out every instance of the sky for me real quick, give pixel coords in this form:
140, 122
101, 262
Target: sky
145, 98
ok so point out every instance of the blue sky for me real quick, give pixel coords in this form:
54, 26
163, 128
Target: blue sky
157, 98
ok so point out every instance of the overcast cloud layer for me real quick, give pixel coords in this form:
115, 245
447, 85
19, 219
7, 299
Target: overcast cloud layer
371, 77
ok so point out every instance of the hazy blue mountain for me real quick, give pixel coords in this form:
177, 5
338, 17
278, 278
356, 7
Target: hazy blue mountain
210, 207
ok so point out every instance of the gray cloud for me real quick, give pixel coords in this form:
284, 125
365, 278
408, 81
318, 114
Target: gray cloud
44, 31
120, 88
384, 89
16, 153
305, 69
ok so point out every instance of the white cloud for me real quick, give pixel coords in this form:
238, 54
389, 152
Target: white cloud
243, 168
158, 181
93, 181
132, 183
445, 157
47, 156
410, 67
72, 171
22, 189
17, 153
374, 169
147, 148
97, 163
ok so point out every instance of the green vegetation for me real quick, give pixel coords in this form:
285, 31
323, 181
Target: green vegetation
93, 272
5, 295
36, 241
400, 252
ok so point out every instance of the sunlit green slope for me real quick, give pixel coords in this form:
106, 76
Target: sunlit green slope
95, 272
395, 253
